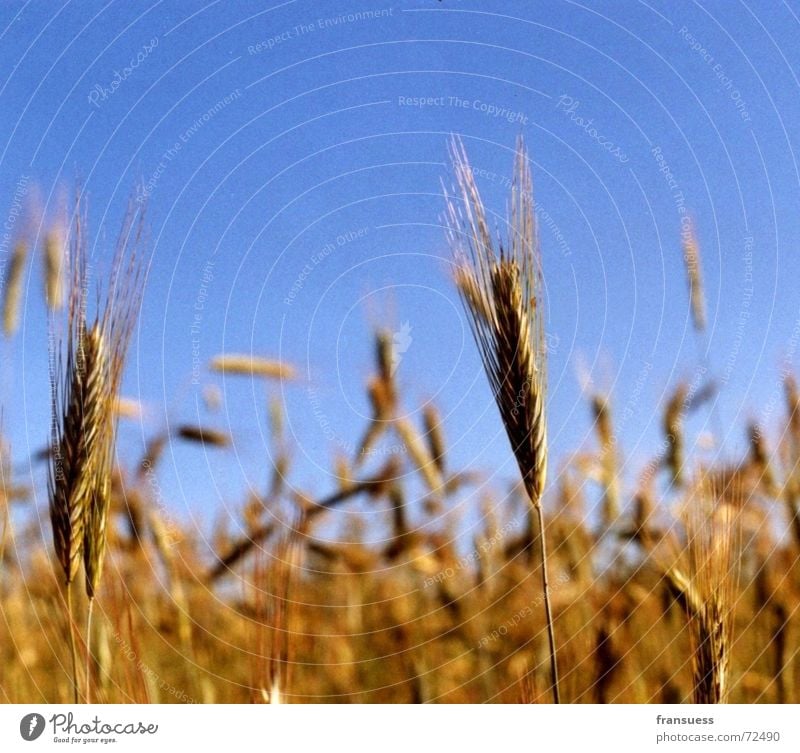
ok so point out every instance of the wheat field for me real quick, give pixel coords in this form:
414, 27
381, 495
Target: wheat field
679, 587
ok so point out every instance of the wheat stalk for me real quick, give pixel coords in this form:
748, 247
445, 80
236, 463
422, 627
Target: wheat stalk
502, 294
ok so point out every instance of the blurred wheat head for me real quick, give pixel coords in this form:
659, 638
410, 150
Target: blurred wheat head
694, 276
703, 575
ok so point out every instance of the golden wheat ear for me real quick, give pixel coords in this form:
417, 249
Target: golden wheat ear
78, 425
87, 361
502, 294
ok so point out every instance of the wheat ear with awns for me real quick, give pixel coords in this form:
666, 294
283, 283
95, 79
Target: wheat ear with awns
502, 293
87, 364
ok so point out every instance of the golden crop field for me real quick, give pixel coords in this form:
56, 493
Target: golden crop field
683, 586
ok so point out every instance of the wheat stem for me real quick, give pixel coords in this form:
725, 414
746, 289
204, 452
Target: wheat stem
548, 610
73, 650
89, 651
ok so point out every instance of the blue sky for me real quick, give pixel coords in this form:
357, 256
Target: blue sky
313, 136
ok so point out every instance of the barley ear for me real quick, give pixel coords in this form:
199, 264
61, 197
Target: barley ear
502, 294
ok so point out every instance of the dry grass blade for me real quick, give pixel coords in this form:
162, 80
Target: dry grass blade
418, 452
13, 291
252, 366
204, 436
502, 293
238, 550
434, 436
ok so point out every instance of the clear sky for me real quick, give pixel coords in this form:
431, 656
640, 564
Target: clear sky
293, 156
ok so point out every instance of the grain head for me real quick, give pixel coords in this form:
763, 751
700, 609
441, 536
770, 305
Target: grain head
86, 370
502, 291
